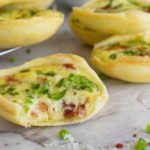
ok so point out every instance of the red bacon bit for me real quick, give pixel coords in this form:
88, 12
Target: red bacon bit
69, 66
119, 146
107, 7
43, 107
81, 110
42, 79
34, 114
134, 135
11, 80
148, 143
148, 10
116, 47
69, 110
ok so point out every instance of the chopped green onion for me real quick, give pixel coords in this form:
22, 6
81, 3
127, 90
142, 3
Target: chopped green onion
12, 91
77, 82
60, 83
25, 70
51, 73
141, 144
26, 108
28, 51
44, 89
131, 52
103, 76
39, 72
63, 134
28, 101
35, 86
12, 59
148, 129
113, 56
58, 95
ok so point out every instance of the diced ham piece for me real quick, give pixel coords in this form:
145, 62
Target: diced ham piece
43, 107
34, 114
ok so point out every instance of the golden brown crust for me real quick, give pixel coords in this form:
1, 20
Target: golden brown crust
29, 31
128, 68
79, 63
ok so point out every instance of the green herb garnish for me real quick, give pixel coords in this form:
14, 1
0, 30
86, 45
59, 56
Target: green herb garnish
12, 59
131, 52
3, 86
35, 86
39, 72
11, 91
51, 74
28, 100
113, 56
26, 108
141, 144
63, 134
44, 89
58, 95
25, 70
103, 76
60, 83
28, 51
77, 82
148, 129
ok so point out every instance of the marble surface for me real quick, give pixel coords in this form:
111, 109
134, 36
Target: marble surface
126, 113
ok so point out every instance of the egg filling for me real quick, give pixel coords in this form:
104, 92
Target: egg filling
11, 14
130, 48
51, 92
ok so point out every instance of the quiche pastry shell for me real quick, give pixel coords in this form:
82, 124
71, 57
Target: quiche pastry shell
5, 2
12, 111
29, 31
88, 36
129, 21
128, 68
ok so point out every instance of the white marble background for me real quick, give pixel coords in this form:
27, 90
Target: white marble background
126, 113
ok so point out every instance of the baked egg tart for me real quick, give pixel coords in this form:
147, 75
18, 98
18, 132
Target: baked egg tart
105, 18
125, 57
27, 27
50, 91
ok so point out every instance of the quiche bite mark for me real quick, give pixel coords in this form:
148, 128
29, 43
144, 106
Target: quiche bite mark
62, 95
124, 57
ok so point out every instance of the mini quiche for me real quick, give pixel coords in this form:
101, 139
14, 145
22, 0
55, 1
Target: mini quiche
55, 90
30, 4
5, 2
27, 27
124, 57
105, 18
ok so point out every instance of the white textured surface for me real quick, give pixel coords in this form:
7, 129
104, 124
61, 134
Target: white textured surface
126, 113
